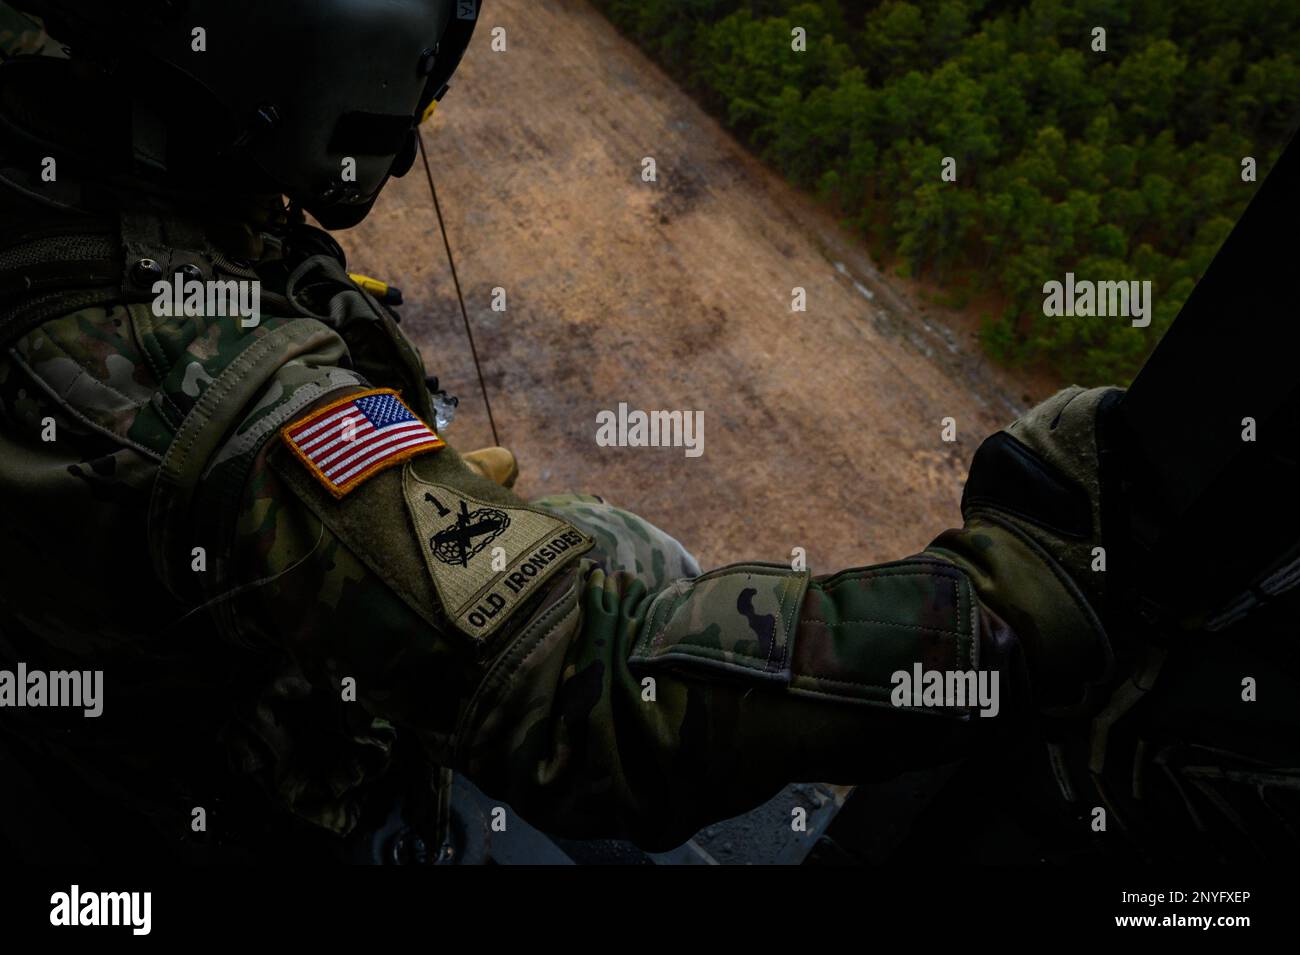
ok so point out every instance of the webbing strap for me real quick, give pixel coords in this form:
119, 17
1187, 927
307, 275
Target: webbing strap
59, 275
15, 322
60, 267
54, 271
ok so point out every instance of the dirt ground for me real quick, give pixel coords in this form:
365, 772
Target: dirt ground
822, 429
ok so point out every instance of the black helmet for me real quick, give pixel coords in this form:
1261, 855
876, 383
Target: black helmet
317, 99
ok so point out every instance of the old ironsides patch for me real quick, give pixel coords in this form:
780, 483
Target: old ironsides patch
485, 559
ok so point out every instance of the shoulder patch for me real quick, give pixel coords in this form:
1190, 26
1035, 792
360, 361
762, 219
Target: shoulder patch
484, 558
352, 439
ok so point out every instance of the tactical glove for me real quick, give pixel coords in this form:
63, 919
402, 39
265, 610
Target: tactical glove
1034, 542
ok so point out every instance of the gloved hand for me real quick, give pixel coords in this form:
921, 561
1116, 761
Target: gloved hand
1034, 544
496, 464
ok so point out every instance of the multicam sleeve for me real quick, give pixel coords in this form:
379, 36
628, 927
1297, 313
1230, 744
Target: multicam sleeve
630, 695
671, 708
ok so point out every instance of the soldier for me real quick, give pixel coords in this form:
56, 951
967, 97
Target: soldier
302, 599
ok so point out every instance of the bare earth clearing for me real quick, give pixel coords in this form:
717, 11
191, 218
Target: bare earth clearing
822, 429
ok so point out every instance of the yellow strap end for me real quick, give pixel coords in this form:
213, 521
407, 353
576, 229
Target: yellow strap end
380, 290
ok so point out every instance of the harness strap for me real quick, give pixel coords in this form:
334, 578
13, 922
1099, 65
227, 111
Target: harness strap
54, 271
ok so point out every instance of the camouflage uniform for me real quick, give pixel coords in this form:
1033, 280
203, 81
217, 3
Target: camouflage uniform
159, 529
167, 440
628, 694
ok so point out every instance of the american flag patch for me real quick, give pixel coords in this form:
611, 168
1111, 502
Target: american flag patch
347, 441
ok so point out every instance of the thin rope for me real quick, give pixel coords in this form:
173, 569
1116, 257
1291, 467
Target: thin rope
478, 369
